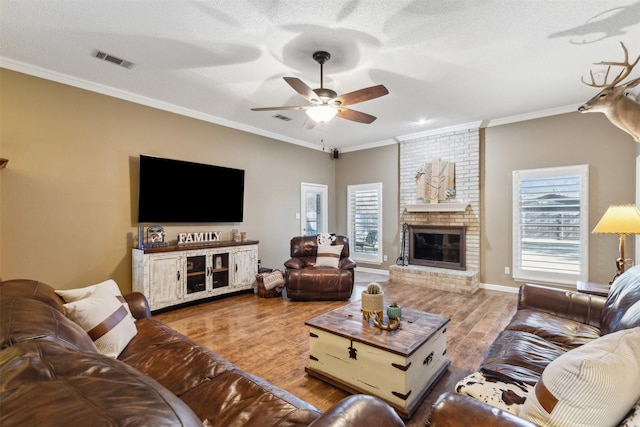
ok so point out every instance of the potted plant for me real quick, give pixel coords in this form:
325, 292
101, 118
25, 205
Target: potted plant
394, 311
373, 301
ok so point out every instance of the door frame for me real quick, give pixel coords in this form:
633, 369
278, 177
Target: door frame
306, 187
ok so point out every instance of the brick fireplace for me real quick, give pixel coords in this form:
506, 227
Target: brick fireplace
462, 147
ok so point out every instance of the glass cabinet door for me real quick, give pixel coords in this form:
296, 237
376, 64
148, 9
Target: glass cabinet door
196, 274
220, 270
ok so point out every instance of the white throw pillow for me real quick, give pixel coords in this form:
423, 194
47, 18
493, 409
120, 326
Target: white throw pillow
593, 385
328, 255
105, 319
72, 295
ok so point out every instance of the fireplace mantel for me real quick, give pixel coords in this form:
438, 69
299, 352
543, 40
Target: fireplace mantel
438, 207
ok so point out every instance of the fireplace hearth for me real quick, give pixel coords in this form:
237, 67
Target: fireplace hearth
437, 246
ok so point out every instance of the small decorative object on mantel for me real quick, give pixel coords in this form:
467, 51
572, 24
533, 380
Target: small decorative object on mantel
199, 237
155, 236
372, 301
436, 181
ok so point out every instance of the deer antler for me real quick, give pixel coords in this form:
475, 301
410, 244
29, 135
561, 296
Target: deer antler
623, 74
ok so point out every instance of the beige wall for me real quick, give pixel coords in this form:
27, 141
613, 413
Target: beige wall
366, 167
68, 195
568, 139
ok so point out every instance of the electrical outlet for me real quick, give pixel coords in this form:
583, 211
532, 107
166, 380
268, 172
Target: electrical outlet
384, 258
507, 270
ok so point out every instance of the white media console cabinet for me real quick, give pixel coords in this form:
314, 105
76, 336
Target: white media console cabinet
173, 275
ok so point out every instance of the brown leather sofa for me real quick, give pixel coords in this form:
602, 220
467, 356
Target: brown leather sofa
548, 322
305, 281
52, 374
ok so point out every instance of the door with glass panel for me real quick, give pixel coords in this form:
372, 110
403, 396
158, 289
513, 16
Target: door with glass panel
313, 209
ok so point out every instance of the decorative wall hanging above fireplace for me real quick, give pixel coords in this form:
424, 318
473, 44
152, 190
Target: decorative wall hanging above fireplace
436, 181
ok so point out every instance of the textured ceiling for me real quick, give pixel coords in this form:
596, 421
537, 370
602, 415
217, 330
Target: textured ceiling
445, 63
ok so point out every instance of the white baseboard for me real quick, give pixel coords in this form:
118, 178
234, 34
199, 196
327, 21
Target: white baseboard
373, 271
501, 288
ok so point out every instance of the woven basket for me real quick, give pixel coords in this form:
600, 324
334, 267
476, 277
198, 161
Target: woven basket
264, 292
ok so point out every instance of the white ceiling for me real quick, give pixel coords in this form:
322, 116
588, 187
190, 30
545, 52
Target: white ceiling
446, 63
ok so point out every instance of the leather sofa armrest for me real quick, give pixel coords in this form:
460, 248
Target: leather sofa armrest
346, 263
359, 410
452, 409
138, 305
295, 263
576, 306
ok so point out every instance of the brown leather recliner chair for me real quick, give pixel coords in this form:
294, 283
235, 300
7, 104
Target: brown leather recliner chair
304, 281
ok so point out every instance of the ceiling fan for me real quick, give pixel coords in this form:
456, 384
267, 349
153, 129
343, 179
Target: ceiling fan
324, 104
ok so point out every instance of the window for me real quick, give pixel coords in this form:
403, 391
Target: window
550, 224
365, 222
313, 199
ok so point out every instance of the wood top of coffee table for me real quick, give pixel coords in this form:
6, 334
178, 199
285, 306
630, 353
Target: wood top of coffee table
416, 327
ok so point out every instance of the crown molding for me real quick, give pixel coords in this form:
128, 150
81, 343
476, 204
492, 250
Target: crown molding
377, 144
440, 131
534, 115
66, 79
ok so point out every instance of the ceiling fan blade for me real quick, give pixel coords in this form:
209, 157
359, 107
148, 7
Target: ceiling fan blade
302, 88
280, 108
362, 95
356, 116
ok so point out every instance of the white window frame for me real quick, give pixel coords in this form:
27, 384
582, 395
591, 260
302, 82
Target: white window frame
370, 258
549, 276
321, 190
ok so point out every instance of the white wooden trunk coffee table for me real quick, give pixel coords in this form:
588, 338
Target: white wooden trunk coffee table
398, 366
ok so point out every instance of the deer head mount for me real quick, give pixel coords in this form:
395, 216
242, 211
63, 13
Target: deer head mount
620, 109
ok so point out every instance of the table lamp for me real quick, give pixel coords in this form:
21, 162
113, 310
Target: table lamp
622, 220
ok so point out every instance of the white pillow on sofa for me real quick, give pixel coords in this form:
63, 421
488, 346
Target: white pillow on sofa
72, 295
105, 319
328, 255
595, 384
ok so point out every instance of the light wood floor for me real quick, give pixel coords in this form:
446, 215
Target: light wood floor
267, 336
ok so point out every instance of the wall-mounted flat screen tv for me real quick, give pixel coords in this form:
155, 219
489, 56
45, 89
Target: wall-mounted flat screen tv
176, 191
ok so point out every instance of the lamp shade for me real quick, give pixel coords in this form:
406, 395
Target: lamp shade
321, 113
619, 219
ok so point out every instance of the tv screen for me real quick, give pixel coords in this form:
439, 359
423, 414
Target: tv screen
178, 191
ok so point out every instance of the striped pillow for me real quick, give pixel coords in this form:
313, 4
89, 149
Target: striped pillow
105, 319
72, 295
595, 384
328, 255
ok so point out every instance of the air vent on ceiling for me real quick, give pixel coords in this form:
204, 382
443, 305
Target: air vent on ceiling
283, 118
114, 60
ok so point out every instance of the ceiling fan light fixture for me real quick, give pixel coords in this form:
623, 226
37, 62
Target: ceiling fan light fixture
321, 113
